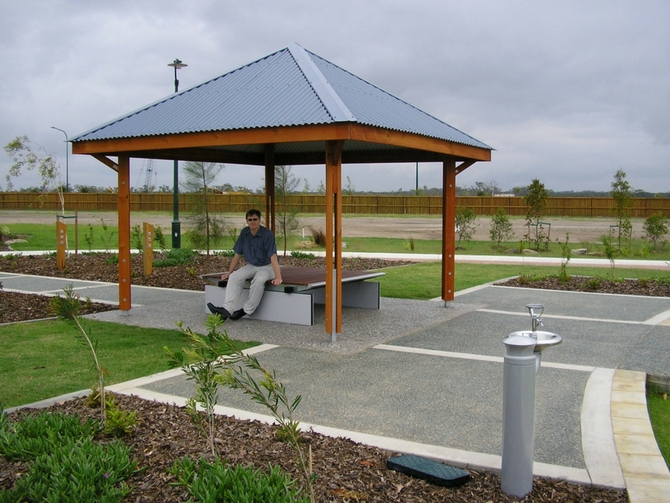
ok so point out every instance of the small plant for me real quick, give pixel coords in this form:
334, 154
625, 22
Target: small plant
318, 236
409, 244
177, 256
200, 362
301, 254
536, 203
112, 260
655, 228
566, 253
107, 235
190, 270
89, 237
63, 462
594, 283
611, 253
501, 227
118, 422
159, 238
68, 308
137, 238
466, 224
216, 359
224, 253
217, 481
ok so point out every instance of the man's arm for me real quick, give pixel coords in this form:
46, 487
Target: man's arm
275, 267
233, 265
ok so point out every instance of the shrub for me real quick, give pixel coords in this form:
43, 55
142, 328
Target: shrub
217, 481
655, 228
177, 256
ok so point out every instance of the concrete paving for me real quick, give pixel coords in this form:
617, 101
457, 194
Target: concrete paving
424, 378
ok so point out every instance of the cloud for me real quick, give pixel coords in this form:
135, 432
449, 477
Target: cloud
567, 92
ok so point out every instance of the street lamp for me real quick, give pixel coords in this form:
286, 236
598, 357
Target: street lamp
67, 155
176, 226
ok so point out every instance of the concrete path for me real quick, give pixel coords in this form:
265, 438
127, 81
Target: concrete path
421, 377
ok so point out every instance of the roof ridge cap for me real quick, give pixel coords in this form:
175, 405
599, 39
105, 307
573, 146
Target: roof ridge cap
325, 92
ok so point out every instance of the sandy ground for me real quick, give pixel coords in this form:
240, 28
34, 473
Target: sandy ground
580, 229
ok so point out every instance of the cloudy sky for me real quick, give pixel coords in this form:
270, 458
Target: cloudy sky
568, 92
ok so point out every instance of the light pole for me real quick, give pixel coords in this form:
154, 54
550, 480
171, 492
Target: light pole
176, 226
67, 156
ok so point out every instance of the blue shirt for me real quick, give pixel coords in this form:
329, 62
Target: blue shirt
257, 249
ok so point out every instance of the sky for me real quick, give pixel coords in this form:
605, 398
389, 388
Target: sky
565, 92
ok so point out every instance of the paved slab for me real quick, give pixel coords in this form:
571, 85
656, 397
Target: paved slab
423, 378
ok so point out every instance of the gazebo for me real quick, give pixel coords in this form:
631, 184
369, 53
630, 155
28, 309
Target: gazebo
289, 108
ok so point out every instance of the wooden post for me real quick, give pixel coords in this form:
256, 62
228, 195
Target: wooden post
448, 229
61, 243
148, 247
334, 237
123, 208
270, 187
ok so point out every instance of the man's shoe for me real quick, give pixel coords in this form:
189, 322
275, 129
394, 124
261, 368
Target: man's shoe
237, 314
218, 310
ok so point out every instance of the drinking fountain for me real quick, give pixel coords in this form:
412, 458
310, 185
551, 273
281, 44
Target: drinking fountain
521, 364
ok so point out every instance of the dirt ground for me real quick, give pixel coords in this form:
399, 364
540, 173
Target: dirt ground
581, 230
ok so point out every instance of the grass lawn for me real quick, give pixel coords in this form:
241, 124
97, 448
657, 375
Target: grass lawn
103, 237
659, 413
423, 281
44, 359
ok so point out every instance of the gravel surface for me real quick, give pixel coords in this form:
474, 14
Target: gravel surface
346, 471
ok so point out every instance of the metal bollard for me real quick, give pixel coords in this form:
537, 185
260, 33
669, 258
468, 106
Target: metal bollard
518, 414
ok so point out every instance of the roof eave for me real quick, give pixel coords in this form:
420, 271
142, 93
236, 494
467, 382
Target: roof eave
179, 143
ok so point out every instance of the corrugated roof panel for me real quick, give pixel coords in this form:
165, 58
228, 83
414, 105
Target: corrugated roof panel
287, 88
374, 106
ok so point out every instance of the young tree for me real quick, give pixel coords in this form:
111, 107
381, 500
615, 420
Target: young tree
466, 223
285, 184
655, 228
622, 195
501, 227
28, 155
536, 203
200, 177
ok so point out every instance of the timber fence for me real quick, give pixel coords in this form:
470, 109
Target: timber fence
315, 203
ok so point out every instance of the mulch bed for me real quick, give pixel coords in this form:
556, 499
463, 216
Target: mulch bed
346, 471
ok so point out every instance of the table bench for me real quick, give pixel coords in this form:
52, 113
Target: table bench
302, 287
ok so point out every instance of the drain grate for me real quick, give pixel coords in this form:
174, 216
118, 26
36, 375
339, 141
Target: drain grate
426, 469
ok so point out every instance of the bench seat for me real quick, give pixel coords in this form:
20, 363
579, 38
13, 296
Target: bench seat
302, 287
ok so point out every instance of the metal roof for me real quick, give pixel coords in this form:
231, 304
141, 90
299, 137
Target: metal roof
291, 87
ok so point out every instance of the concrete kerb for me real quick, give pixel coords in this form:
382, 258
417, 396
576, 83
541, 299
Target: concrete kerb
594, 474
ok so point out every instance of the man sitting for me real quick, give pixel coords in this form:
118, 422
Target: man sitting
258, 247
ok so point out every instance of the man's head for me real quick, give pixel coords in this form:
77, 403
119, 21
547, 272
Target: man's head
253, 218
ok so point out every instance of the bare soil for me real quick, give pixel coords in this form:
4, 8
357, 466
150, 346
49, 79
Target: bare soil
581, 230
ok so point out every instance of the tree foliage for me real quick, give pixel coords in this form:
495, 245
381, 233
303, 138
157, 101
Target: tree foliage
501, 227
622, 194
29, 156
466, 224
655, 228
536, 208
207, 228
285, 183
